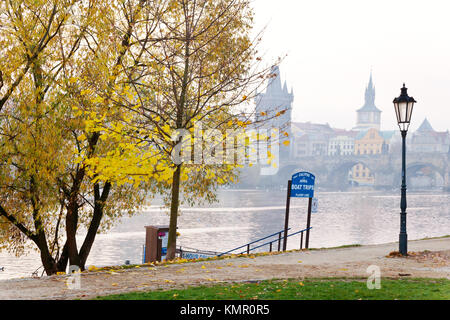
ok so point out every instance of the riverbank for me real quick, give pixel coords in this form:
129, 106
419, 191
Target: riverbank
429, 259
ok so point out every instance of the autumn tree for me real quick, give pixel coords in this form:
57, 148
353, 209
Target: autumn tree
61, 62
204, 69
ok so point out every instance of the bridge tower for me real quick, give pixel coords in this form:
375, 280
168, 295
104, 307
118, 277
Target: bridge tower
274, 110
368, 116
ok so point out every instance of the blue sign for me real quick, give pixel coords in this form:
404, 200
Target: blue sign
303, 185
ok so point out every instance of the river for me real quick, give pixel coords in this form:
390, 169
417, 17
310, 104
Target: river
241, 216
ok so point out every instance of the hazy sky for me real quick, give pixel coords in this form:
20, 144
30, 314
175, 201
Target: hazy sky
333, 44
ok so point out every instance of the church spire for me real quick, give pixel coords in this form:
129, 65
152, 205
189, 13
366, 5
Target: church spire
368, 116
370, 93
275, 82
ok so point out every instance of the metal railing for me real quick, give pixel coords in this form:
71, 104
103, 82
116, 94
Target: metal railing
270, 243
180, 250
279, 240
250, 243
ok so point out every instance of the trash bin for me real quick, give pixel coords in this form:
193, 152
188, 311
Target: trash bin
155, 243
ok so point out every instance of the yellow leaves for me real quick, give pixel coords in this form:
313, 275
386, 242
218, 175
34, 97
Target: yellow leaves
93, 268
166, 128
72, 80
279, 113
114, 284
286, 142
263, 113
97, 99
85, 92
77, 112
301, 284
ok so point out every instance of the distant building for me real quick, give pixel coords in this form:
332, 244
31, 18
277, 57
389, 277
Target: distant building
369, 142
274, 110
343, 143
426, 139
310, 139
362, 175
368, 116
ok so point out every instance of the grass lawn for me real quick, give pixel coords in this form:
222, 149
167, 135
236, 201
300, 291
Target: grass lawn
311, 289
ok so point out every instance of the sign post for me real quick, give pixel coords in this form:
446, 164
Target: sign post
300, 186
286, 217
308, 223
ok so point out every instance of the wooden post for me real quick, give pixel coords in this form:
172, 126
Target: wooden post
286, 217
279, 241
308, 223
301, 240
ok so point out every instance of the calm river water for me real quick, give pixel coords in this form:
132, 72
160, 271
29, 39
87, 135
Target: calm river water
241, 216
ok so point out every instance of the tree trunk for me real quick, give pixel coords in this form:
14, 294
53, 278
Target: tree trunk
47, 260
63, 259
71, 231
172, 241
95, 222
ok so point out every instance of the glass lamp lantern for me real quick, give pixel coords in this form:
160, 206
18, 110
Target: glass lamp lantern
404, 105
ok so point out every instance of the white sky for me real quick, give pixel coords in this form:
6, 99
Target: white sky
333, 44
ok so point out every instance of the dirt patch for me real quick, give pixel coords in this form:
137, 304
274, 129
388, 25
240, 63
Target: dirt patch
430, 259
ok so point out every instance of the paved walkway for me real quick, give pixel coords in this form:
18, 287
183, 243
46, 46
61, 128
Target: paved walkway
430, 258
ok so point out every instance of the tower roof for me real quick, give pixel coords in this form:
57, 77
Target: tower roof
275, 82
369, 103
425, 126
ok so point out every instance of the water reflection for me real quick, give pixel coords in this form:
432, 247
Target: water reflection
245, 215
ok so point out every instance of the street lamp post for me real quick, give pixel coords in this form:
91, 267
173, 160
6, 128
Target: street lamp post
403, 109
